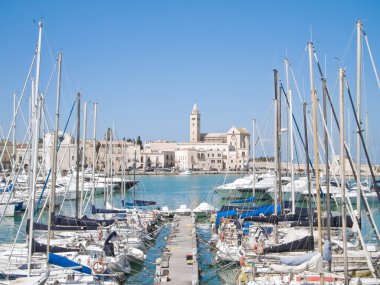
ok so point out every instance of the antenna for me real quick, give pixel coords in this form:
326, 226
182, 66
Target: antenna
311, 33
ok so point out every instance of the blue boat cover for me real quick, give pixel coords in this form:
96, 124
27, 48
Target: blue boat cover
263, 210
8, 189
140, 203
252, 199
95, 210
64, 262
225, 214
305, 243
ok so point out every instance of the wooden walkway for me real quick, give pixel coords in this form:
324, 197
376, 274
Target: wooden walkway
179, 263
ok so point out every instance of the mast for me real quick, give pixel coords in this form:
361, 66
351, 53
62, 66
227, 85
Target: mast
34, 152
107, 170
327, 169
78, 159
123, 173
94, 158
366, 136
32, 191
111, 164
279, 109
32, 101
253, 159
14, 140
134, 176
54, 158
315, 134
359, 26
83, 157
42, 127
290, 135
276, 188
38, 62
342, 172
311, 218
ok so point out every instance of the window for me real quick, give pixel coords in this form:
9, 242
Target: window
219, 155
212, 155
72, 158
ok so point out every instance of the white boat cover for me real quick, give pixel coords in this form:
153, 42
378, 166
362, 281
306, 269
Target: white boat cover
297, 260
35, 280
203, 207
315, 264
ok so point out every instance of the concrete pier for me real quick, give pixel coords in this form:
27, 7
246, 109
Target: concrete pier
179, 264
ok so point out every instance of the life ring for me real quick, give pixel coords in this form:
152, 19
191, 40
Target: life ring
98, 266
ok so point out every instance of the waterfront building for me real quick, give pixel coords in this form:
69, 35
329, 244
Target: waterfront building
204, 151
67, 153
23, 156
6, 151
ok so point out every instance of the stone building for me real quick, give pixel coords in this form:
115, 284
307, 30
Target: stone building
213, 150
6, 152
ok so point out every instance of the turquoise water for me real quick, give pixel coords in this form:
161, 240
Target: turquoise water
171, 191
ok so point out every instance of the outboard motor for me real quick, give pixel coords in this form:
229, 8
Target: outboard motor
109, 248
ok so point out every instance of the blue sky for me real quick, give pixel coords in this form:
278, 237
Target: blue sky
147, 62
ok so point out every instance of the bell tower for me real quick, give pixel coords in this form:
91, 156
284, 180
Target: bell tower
195, 125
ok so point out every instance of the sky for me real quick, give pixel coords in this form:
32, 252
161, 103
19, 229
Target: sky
147, 62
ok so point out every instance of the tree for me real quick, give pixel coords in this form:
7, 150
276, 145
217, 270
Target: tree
97, 147
139, 142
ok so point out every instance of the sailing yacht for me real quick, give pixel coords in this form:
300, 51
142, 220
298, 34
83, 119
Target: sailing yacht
242, 187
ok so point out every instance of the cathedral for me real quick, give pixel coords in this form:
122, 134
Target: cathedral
203, 151
222, 151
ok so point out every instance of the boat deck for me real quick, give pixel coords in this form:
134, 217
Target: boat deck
179, 263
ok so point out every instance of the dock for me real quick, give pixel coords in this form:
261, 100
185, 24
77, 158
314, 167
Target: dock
179, 264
